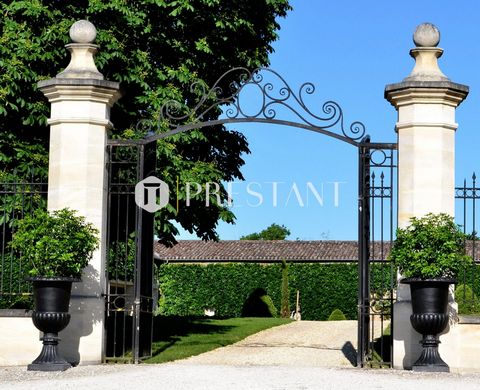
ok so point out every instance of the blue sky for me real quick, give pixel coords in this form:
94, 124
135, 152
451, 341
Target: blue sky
350, 50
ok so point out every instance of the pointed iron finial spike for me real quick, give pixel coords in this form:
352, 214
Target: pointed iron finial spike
373, 175
474, 177
382, 176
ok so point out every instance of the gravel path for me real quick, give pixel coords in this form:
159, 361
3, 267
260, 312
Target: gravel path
290, 357
303, 343
202, 377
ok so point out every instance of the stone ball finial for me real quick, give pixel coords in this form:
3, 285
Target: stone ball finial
426, 35
83, 31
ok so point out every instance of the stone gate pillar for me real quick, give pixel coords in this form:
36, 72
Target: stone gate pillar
426, 101
80, 117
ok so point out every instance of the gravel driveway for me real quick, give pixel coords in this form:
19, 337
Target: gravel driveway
291, 357
202, 377
311, 343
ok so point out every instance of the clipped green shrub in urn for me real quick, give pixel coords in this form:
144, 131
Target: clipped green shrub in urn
429, 253
55, 246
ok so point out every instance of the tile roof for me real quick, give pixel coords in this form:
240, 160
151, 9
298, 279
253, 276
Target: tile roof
273, 251
245, 250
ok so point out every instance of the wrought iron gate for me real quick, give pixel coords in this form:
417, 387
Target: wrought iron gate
129, 296
129, 271
377, 277
467, 290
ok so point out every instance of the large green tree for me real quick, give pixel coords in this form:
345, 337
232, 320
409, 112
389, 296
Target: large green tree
273, 232
156, 49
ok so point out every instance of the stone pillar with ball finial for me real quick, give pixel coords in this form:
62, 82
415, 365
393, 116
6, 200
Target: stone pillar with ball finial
426, 101
79, 120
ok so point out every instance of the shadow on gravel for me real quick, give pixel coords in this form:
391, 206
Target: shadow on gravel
168, 331
381, 353
177, 338
382, 347
171, 328
350, 353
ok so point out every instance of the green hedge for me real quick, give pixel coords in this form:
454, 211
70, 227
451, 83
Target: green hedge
468, 302
470, 276
187, 289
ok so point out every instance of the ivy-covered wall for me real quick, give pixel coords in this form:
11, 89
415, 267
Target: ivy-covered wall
187, 289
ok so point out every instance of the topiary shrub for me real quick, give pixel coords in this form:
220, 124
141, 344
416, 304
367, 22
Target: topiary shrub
259, 304
55, 243
468, 303
432, 246
337, 315
272, 310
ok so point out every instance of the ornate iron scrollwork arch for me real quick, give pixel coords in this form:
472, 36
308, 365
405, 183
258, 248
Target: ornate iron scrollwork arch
180, 116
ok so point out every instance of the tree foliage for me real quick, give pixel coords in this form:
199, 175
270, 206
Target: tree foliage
156, 49
273, 232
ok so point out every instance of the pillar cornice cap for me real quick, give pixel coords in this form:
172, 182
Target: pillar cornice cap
57, 89
409, 92
427, 84
78, 82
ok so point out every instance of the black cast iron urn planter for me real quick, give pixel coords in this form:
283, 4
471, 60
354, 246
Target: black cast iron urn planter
50, 316
430, 317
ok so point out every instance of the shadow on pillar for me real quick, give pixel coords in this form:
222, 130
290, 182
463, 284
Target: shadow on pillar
407, 347
87, 313
407, 342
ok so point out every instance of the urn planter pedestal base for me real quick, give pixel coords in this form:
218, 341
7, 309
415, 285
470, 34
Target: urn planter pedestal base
49, 359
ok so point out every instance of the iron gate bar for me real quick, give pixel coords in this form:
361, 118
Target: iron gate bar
199, 125
368, 192
383, 192
363, 250
129, 295
144, 262
119, 331
468, 195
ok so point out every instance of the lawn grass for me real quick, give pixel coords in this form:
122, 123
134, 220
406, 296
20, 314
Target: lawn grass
180, 337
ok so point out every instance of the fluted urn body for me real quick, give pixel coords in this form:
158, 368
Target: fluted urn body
429, 318
50, 316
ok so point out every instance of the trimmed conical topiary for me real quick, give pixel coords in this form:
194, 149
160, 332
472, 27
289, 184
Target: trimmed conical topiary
337, 315
272, 310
